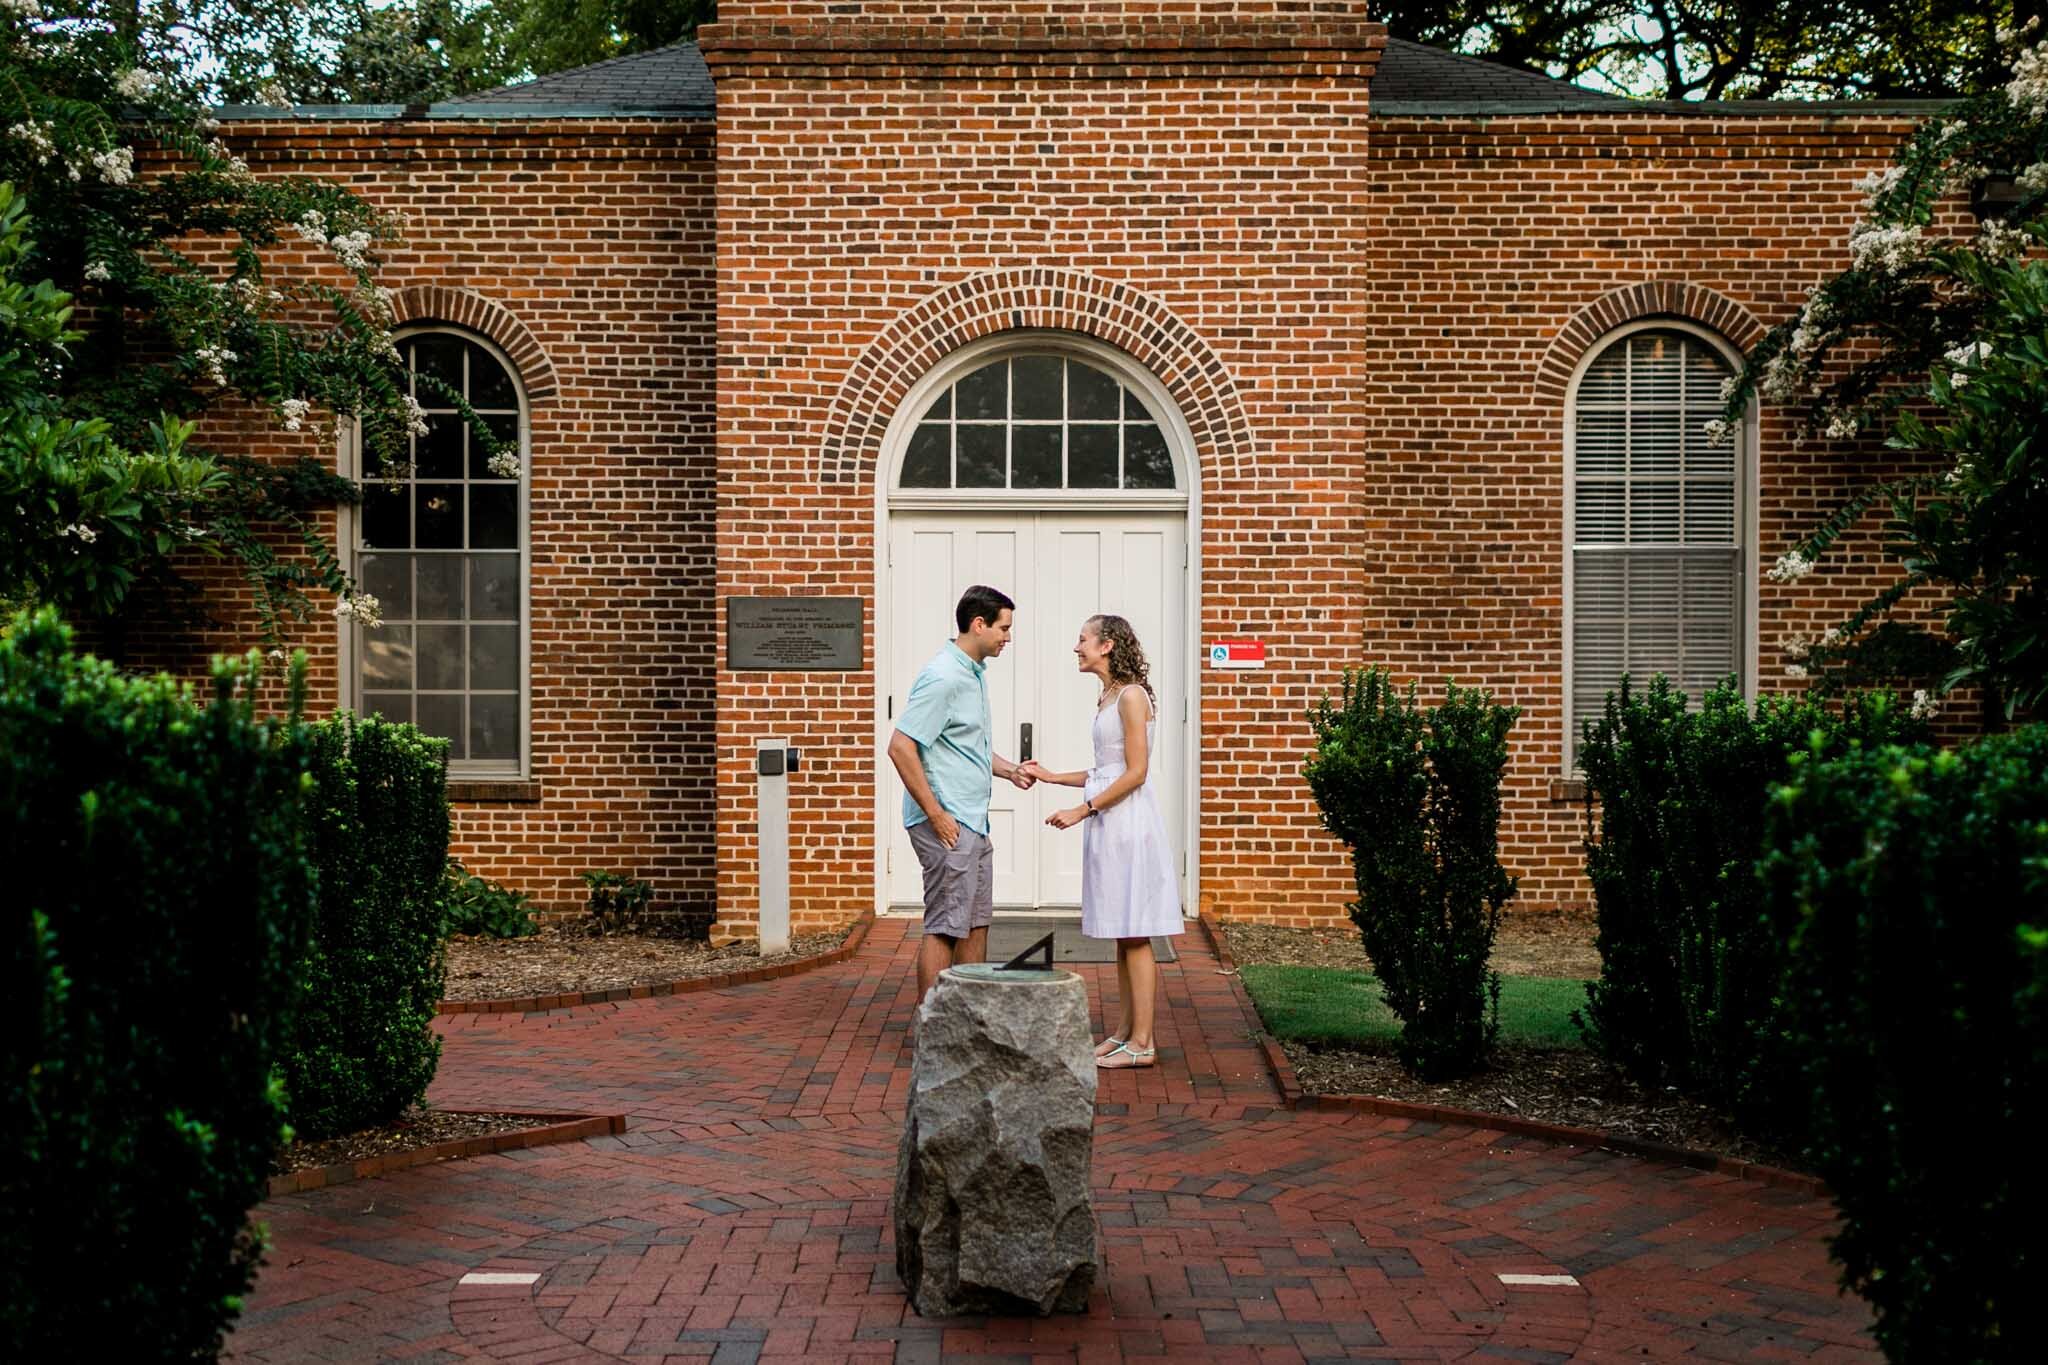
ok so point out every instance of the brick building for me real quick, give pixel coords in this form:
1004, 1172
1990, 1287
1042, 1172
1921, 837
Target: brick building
1242, 319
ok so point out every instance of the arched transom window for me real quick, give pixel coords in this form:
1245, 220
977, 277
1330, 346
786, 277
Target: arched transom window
1037, 423
1657, 516
443, 552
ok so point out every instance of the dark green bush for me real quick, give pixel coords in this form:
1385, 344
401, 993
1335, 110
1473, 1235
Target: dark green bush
476, 905
1690, 965
373, 969
1918, 882
618, 902
1416, 794
158, 889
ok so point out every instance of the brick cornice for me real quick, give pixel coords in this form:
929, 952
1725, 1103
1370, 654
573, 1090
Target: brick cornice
1631, 303
1042, 47
1030, 299
466, 308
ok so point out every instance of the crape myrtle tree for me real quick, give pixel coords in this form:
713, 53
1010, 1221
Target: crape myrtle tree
1935, 339
141, 255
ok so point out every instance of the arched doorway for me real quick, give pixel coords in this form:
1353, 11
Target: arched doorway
1059, 470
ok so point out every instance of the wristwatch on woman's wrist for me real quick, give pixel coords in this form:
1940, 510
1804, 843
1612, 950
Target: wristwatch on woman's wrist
1089, 802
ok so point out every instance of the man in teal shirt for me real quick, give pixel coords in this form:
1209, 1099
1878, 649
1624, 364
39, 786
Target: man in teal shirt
944, 750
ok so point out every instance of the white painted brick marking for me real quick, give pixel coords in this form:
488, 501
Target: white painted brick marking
496, 1277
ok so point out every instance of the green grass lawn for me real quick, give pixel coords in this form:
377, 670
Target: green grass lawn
1325, 1007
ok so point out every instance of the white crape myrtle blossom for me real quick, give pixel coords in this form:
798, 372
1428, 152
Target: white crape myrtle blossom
312, 226
37, 136
2028, 89
116, 166
1968, 356
1924, 705
294, 411
1720, 433
351, 249
137, 84
82, 531
504, 464
1790, 568
1875, 246
1795, 670
415, 416
26, 9
215, 361
361, 608
273, 94
97, 272
1999, 240
1842, 425
1874, 185
233, 166
1780, 378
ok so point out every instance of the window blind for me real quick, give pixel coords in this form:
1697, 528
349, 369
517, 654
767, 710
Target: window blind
1656, 527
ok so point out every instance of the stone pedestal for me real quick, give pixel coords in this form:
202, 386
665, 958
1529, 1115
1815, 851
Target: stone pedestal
992, 1211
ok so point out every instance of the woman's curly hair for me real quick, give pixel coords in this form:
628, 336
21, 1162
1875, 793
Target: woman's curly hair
1126, 658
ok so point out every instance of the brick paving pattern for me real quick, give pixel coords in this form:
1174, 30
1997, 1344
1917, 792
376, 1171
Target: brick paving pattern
743, 1215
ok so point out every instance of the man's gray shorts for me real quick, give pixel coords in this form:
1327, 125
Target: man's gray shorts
959, 882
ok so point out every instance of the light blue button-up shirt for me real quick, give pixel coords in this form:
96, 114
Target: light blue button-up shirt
947, 715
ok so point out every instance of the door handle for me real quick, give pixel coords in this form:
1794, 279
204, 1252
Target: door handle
1024, 742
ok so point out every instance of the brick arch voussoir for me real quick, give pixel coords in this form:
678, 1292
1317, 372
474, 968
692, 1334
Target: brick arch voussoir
1036, 299
1694, 303
467, 309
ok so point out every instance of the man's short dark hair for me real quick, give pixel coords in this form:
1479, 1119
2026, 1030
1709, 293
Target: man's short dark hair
982, 601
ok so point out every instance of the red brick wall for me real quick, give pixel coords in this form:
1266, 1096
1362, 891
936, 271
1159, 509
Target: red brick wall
1362, 321
584, 249
1491, 240
1225, 189
1381, 297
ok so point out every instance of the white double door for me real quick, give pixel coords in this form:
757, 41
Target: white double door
1061, 568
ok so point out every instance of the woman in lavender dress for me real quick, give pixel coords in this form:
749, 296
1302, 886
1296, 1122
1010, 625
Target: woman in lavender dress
1129, 890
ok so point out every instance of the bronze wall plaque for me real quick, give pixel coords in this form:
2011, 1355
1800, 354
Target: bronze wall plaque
792, 634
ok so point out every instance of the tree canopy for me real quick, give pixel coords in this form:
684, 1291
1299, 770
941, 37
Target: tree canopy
1729, 49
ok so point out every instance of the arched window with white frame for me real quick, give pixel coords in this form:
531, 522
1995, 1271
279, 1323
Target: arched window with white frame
1658, 521
442, 546
1037, 422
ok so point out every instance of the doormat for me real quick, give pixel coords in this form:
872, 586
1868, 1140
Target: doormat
1007, 938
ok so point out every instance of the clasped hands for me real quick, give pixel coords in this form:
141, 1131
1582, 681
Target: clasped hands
1030, 772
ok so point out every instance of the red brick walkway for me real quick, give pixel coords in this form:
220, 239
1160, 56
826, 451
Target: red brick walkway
744, 1213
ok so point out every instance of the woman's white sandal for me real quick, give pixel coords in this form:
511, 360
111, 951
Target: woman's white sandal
1107, 1046
1124, 1055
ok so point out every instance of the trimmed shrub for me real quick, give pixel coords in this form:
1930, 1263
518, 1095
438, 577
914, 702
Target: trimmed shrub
618, 902
478, 906
362, 1050
159, 890
1690, 964
1416, 795
1918, 882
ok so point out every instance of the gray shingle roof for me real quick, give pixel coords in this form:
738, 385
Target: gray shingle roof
1413, 80
1415, 74
673, 80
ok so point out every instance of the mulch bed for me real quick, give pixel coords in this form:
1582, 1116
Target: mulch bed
1567, 1086
566, 958
420, 1128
